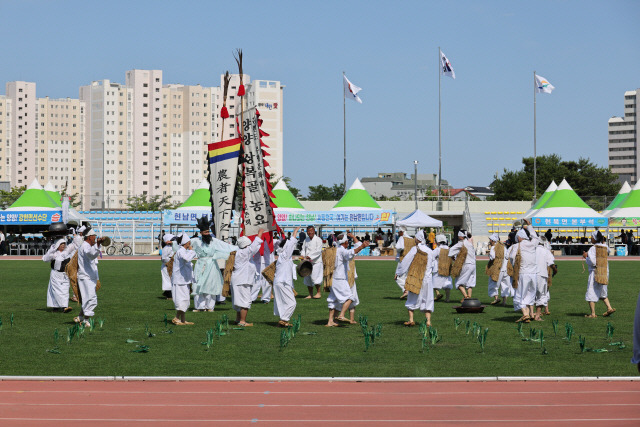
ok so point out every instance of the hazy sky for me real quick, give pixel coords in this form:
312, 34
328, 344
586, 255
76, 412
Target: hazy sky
589, 50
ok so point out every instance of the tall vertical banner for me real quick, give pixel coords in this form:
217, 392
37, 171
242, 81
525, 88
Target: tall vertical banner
257, 206
223, 171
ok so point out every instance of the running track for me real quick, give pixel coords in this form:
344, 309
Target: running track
289, 403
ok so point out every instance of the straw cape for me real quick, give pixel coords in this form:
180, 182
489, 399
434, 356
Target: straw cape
444, 263
228, 271
329, 265
456, 267
357, 198
409, 242
351, 274
601, 275
416, 272
269, 272
494, 265
516, 269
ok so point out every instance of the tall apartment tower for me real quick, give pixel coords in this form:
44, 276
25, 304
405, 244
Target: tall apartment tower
61, 143
147, 130
267, 96
108, 154
22, 140
5, 138
187, 129
624, 156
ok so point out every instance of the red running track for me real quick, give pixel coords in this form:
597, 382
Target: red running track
165, 403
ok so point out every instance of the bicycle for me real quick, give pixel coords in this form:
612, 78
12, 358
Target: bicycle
119, 248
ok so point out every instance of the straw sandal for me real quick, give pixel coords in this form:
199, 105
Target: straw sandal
343, 319
438, 297
409, 323
525, 319
284, 324
78, 319
590, 316
176, 321
495, 301
243, 324
67, 309
609, 312
195, 311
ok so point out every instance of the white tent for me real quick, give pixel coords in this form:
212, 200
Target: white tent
418, 219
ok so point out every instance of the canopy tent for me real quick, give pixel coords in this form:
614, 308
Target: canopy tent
356, 199
51, 191
284, 198
618, 200
34, 199
627, 214
200, 199
565, 208
418, 219
540, 203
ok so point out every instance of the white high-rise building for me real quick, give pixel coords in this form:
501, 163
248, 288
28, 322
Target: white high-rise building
108, 154
22, 140
5, 138
60, 152
624, 158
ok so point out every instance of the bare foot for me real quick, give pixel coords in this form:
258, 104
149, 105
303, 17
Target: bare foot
309, 297
331, 324
590, 316
342, 319
244, 324
317, 296
353, 322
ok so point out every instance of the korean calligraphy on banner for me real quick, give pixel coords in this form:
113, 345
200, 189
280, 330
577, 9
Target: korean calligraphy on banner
223, 170
257, 209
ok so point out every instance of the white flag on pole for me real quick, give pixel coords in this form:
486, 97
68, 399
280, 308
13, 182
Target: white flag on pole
351, 90
543, 85
447, 69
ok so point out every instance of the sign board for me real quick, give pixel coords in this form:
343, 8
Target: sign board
29, 217
334, 218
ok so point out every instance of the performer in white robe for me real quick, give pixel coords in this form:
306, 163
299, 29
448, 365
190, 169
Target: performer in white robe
167, 254
262, 261
544, 260
58, 291
525, 296
88, 276
493, 286
355, 300
440, 282
340, 294
181, 279
424, 300
312, 251
596, 291
284, 299
504, 280
243, 277
467, 279
400, 279
206, 274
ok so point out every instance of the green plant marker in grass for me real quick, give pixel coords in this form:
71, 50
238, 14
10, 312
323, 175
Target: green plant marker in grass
130, 341
100, 322
456, 322
140, 348
519, 329
569, 331
56, 335
582, 341
544, 350
70, 333
11, 319
165, 320
610, 330
555, 328
147, 332
54, 350
541, 338
209, 340
467, 327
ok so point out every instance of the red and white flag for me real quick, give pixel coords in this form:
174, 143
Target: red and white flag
351, 90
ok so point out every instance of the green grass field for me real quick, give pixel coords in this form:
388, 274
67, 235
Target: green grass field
130, 301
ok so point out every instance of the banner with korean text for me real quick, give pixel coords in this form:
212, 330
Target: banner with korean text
223, 171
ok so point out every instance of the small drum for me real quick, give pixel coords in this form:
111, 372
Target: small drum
305, 268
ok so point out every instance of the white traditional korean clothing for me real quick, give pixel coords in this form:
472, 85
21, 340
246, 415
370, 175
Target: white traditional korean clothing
88, 277
527, 281
340, 290
467, 276
504, 280
244, 274
636, 335
284, 299
312, 248
595, 291
424, 300
58, 290
544, 260
182, 277
262, 261
400, 279
439, 282
207, 277
167, 253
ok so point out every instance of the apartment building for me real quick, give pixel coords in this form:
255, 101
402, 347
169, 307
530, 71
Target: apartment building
5, 139
22, 138
623, 140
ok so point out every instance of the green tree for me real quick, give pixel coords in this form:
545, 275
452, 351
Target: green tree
152, 203
8, 197
594, 184
322, 192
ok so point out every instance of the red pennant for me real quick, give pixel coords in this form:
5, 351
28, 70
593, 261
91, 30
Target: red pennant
241, 90
224, 113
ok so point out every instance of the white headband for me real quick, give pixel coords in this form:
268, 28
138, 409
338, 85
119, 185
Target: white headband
243, 242
420, 236
523, 234
494, 237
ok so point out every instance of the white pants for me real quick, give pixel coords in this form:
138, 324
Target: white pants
204, 301
315, 278
87, 288
242, 296
595, 291
58, 291
340, 293
493, 288
441, 282
542, 292
181, 297
264, 285
467, 276
284, 302
526, 292
400, 280
506, 289
166, 280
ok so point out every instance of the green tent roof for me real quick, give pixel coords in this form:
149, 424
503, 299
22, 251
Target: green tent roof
620, 197
357, 198
201, 197
566, 203
34, 197
284, 199
547, 194
51, 191
633, 198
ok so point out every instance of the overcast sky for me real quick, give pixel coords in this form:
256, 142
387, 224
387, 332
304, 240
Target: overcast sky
589, 50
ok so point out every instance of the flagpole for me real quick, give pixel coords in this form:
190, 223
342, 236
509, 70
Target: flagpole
344, 131
439, 131
535, 172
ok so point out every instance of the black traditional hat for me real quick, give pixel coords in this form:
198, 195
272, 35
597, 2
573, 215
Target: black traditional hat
203, 223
